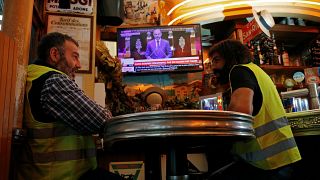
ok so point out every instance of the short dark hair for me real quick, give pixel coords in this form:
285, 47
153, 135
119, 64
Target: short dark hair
232, 51
50, 40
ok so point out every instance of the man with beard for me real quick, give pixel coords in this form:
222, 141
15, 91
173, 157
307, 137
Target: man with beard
158, 47
273, 150
59, 118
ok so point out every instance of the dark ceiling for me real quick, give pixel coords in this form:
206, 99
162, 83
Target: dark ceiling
223, 29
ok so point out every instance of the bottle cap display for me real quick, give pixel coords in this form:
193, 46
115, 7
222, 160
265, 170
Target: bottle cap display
298, 76
289, 83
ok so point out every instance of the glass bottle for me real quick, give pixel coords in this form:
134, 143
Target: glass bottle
260, 56
276, 59
251, 49
285, 57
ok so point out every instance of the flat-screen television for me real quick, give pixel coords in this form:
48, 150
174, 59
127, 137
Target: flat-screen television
157, 49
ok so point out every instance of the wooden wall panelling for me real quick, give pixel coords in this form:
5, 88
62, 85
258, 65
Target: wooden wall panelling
8, 56
1, 59
13, 58
3, 76
1, 88
5, 105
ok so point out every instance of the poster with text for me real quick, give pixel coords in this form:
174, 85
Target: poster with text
83, 6
79, 28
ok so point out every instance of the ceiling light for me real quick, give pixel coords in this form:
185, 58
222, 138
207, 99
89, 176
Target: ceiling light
214, 8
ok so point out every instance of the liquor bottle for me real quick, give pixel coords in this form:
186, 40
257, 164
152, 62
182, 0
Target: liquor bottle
285, 57
260, 56
266, 48
276, 59
251, 49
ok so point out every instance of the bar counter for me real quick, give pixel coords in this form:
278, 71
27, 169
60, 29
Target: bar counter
305, 123
306, 129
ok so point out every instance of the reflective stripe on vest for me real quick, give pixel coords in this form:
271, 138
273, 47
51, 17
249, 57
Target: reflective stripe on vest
271, 126
275, 148
64, 155
50, 132
270, 151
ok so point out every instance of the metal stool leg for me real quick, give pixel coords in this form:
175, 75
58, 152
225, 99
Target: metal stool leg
177, 164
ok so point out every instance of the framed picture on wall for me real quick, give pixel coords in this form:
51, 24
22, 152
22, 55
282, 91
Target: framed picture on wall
78, 27
137, 12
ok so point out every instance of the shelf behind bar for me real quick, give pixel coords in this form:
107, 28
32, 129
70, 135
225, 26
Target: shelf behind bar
294, 29
280, 67
293, 36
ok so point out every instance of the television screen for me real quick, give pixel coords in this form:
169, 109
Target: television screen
212, 102
157, 49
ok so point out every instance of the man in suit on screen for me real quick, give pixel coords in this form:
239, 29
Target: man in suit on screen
158, 48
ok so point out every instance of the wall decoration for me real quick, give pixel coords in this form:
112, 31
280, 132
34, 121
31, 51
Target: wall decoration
78, 27
182, 90
84, 7
128, 170
141, 12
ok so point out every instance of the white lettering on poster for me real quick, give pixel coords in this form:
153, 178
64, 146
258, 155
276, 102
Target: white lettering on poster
76, 6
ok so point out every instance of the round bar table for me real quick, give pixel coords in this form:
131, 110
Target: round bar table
175, 132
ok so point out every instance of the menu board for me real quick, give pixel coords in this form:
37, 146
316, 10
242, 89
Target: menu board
315, 53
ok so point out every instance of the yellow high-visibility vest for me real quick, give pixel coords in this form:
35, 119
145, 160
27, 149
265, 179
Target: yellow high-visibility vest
53, 151
274, 145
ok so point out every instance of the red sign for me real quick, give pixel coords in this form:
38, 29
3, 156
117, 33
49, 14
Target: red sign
250, 30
